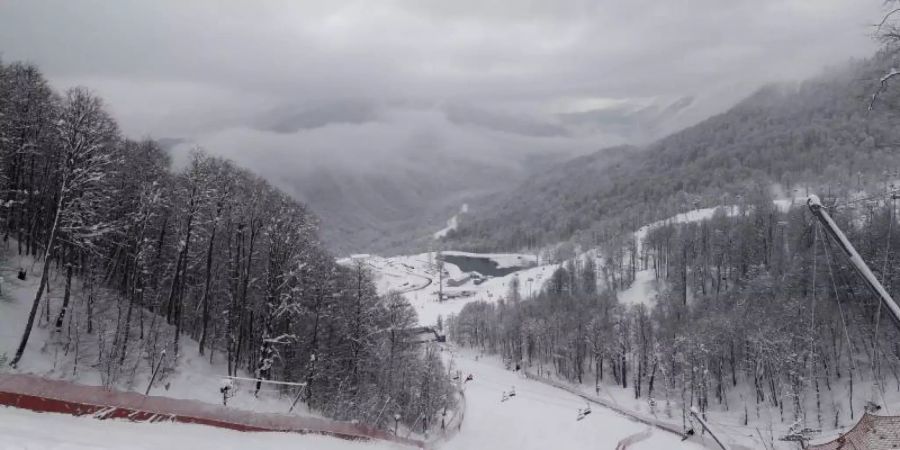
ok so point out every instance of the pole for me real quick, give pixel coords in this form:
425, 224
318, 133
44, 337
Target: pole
155, 371
815, 205
705, 425
297, 398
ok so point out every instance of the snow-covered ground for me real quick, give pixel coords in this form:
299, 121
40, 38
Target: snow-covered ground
195, 377
539, 417
26, 430
417, 277
452, 223
642, 290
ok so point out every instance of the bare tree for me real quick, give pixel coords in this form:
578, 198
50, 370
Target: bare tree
86, 136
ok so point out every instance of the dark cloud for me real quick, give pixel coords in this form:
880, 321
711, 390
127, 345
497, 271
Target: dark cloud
509, 123
289, 87
236, 61
292, 118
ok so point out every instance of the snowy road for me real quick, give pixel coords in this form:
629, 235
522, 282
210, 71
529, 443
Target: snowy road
540, 417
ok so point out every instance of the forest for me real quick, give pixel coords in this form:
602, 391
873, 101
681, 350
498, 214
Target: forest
161, 261
756, 311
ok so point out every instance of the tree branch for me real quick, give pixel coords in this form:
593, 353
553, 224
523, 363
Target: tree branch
884, 80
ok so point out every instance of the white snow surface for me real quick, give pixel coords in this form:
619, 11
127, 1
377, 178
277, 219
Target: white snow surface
642, 291
22, 429
452, 223
539, 416
416, 276
195, 378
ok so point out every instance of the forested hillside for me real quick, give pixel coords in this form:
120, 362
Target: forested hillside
758, 318
816, 134
153, 257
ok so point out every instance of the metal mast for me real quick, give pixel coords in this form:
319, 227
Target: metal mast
818, 210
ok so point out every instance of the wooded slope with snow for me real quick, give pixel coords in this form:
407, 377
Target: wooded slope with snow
134, 265
752, 315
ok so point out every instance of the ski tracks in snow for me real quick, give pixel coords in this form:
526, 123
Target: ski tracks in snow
624, 444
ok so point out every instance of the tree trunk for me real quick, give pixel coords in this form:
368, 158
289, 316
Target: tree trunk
205, 300
66, 296
40, 292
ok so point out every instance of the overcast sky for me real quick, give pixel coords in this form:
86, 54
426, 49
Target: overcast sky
270, 83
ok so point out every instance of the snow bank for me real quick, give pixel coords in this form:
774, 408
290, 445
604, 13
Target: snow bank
22, 429
39, 394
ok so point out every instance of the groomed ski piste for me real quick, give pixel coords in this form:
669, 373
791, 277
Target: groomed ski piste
540, 416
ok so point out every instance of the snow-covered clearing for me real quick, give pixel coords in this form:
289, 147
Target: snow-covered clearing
417, 277
642, 290
21, 429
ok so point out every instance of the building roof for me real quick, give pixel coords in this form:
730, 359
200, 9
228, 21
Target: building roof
870, 433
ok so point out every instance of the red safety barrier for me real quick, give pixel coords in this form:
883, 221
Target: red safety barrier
43, 395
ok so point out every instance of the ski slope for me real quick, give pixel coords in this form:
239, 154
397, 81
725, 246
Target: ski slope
539, 417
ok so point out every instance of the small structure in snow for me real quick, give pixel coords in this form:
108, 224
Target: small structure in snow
508, 394
583, 412
227, 389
